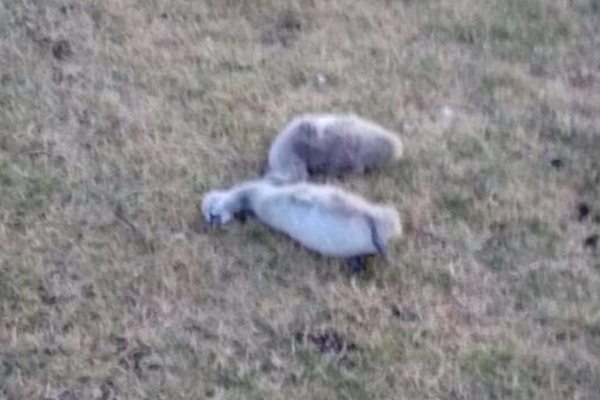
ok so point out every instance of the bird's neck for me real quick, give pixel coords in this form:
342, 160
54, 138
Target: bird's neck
242, 196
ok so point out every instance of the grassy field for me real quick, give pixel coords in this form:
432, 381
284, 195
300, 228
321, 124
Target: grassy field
116, 116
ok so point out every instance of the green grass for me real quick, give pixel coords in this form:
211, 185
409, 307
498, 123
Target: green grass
504, 372
112, 286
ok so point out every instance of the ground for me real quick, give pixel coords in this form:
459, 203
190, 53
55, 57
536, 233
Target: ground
117, 116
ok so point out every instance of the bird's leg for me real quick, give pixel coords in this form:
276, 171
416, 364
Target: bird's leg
243, 215
356, 264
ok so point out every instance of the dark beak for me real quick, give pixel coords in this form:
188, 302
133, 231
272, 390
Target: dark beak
215, 221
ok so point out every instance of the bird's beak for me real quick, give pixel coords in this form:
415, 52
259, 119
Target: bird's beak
215, 221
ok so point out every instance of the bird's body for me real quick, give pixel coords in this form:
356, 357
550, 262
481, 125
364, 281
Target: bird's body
320, 217
330, 144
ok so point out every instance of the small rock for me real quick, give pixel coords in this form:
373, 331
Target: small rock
62, 50
556, 163
321, 80
591, 241
331, 342
327, 342
597, 218
583, 211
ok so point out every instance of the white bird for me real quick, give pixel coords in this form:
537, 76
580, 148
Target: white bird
330, 144
322, 218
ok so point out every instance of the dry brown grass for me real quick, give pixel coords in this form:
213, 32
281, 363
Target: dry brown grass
116, 116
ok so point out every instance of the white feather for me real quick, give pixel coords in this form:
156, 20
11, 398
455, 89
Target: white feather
320, 217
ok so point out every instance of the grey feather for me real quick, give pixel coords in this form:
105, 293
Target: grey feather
330, 144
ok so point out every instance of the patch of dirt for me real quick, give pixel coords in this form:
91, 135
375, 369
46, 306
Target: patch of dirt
285, 31
581, 78
327, 342
133, 359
